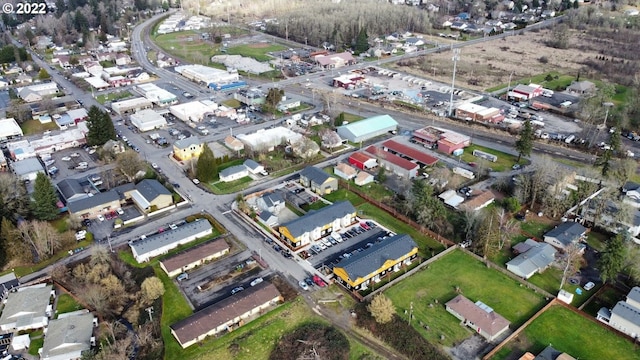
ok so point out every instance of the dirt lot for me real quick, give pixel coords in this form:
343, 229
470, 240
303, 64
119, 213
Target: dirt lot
489, 64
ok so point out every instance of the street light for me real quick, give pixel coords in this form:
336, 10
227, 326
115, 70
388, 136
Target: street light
456, 57
606, 105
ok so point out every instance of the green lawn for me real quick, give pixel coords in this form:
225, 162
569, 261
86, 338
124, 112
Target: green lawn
608, 298
370, 211
113, 96
535, 228
37, 340
505, 161
314, 206
550, 279
562, 81
256, 51
187, 45
174, 308
32, 127
476, 281
569, 332
66, 304
232, 103
597, 240
231, 186
344, 194
352, 117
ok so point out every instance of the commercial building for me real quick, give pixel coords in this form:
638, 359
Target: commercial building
410, 153
233, 173
64, 140
317, 224
73, 189
335, 61
227, 315
478, 316
194, 111
394, 163
148, 119
360, 270
91, 207
363, 161
366, 129
528, 91
36, 92
348, 81
28, 308
206, 75
250, 97
625, 315
187, 149
149, 195
446, 141
27, 169
474, 112
318, 180
194, 257
156, 95
534, 257
20, 150
68, 337
9, 129
131, 105
161, 243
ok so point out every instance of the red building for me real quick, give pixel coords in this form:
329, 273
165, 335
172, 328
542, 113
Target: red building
362, 161
526, 92
394, 163
446, 141
409, 152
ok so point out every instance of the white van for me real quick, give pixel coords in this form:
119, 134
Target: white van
569, 139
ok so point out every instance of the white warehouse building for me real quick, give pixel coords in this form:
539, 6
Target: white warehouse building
156, 95
161, 243
147, 119
206, 75
193, 111
131, 105
268, 139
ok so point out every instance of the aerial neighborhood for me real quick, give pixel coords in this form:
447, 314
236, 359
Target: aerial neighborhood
400, 179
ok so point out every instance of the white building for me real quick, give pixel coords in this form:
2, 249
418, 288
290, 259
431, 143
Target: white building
207, 75
27, 169
193, 111
64, 140
28, 308
625, 316
233, 173
268, 139
41, 89
20, 150
131, 105
156, 95
67, 337
147, 119
9, 128
161, 243
97, 82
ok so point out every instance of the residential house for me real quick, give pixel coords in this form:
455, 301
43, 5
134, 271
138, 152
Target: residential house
3, 83
625, 315
226, 315
26, 309
458, 25
91, 207
123, 59
194, 257
534, 258
187, 149
565, 234
364, 178
582, 87
363, 161
414, 41
233, 173
113, 146
273, 202
23, 78
317, 224
268, 218
451, 198
233, 143
479, 201
149, 195
68, 337
73, 189
549, 13
478, 316
331, 139
631, 191
253, 166
335, 61
7, 283
318, 181
362, 269
345, 171
162, 242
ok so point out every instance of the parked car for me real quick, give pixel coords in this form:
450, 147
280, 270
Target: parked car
100, 217
196, 181
309, 281
183, 276
588, 286
257, 281
303, 285
318, 281
173, 226
268, 240
120, 211
236, 290
66, 158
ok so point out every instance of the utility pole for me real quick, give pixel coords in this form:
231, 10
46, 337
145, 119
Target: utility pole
456, 57
410, 312
606, 105
150, 311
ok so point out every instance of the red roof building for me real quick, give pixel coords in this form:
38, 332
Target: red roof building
410, 152
362, 161
529, 91
447, 141
395, 163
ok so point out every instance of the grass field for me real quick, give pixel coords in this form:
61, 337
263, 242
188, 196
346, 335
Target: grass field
231, 186
66, 304
505, 161
475, 281
344, 194
32, 127
113, 96
569, 332
187, 45
562, 81
256, 51
232, 103
352, 117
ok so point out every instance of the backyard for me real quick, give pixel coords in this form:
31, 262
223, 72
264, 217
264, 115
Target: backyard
569, 332
113, 96
431, 288
32, 127
503, 163
66, 303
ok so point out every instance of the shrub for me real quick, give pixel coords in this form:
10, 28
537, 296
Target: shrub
512, 204
544, 60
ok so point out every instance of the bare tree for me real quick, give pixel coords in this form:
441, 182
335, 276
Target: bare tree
571, 262
507, 227
129, 164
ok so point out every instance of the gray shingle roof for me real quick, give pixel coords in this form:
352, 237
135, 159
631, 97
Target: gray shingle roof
366, 262
167, 237
22, 306
187, 142
93, 201
315, 175
26, 166
70, 187
318, 218
273, 198
232, 170
539, 256
567, 232
68, 335
151, 189
630, 185
634, 294
627, 312
251, 165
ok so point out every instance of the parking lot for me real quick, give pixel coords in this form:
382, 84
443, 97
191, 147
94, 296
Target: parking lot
73, 163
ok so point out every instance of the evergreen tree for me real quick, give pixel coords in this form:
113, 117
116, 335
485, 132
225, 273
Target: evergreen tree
44, 199
43, 75
339, 120
100, 127
206, 168
613, 258
362, 42
274, 96
524, 144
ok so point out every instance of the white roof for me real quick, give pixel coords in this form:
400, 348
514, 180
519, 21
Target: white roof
9, 127
148, 116
67, 336
97, 82
471, 107
206, 74
194, 110
154, 93
269, 137
451, 198
77, 113
131, 103
140, 200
